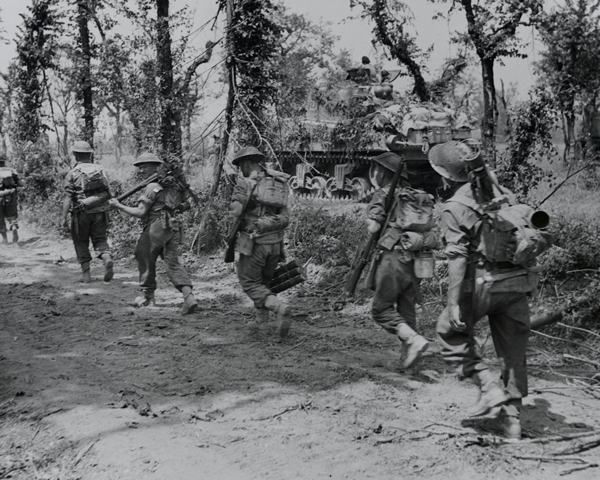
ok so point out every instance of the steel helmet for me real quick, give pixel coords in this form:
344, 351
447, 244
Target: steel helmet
147, 157
391, 161
450, 159
247, 153
82, 147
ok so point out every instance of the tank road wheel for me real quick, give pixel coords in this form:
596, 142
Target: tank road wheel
293, 182
330, 188
319, 187
360, 188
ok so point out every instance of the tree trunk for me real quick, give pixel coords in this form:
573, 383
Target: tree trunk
488, 122
85, 73
170, 117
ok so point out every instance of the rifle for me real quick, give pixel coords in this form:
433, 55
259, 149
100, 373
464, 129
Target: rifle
233, 234
79, 207
362, 257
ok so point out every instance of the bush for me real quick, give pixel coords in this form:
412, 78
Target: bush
330, 239
576, 246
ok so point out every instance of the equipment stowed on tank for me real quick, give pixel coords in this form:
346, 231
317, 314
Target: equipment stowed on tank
325, 166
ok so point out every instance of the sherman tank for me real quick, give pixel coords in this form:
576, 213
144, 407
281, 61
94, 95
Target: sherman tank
332, 146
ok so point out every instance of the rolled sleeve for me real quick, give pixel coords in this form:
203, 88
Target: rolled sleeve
455, 236
150, 193
69, 185
376, 208
241, 191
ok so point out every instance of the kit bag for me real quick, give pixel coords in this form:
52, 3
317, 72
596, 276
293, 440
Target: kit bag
508, 235
272, 190
414, 211
91, 178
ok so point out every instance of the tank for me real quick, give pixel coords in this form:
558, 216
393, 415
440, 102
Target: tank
329, 150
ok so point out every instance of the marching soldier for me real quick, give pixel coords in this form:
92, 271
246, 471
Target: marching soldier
396, 286
260, 199
9, 182
478, 287
158, 208
86, 193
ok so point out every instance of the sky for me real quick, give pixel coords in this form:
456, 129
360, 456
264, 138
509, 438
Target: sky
354, 34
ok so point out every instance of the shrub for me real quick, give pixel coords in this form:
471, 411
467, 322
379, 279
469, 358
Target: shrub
576, 246
329, 238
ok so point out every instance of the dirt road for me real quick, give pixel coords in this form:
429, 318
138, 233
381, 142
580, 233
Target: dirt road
92, 388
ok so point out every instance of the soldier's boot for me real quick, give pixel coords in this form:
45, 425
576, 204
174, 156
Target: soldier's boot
147, 300
508, 422
283, 312
416, 344
512, 419
86, 276
189, 301
109, 271
15, 233
492, 395
4, 238
261, 317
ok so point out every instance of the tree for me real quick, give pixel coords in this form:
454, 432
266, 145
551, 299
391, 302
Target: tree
570, 64
391, 18
36, 47
84, 67
492, 32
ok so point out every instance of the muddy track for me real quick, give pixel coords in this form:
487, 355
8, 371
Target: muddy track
93, 388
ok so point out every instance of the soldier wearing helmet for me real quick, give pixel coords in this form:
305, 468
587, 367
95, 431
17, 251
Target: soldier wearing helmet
395, 284
9, 182
161, 236
86, 192
260, 242
471, 298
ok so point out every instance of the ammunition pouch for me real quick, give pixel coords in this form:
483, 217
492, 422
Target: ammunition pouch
244, 243
389, 239
171, 219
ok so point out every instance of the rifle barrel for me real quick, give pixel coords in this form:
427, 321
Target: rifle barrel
138, 187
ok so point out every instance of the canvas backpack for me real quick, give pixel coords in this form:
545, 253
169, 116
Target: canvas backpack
91, 179
272, 189
7, 179
174, 193
509, 235
414, 210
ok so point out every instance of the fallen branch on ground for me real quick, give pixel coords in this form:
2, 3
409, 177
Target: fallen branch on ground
580, 359
579, 447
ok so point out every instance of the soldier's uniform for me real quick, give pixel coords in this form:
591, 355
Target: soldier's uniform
396, 286
158, 208
89, 223
260, 243
504, 302
156, 240
9, 182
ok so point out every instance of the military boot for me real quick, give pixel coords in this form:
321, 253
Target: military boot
261, 317
189, 301
508, 422
492, 395
416, 344
108, 267
147, 300
4, 238
86, 276
15, 235
283, 312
